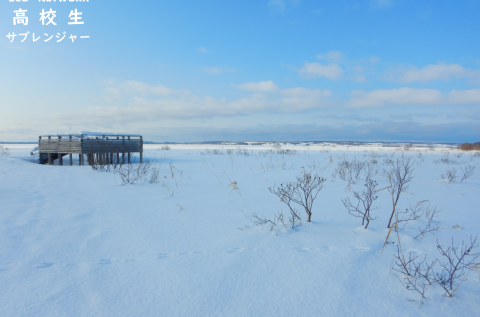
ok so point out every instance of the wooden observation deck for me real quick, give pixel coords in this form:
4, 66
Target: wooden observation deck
91, 147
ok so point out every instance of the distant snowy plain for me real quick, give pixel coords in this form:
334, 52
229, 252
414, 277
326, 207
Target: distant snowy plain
78, 242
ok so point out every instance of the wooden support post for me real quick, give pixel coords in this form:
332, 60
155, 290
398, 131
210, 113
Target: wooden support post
129, 154
50, 154
70, 154
141, 149
80, 159
60, 157
39, 154
123, 149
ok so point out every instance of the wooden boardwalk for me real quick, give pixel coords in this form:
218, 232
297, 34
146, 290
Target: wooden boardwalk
90, 147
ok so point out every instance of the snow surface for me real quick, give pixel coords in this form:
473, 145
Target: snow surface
77, 242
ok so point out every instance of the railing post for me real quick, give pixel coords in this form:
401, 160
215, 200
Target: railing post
39, 154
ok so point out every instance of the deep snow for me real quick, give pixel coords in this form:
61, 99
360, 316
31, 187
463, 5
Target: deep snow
77, 242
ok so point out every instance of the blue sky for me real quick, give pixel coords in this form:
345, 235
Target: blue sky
379, 70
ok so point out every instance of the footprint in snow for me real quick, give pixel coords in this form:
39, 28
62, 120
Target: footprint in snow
363, 249
305, 249
105, 262
164, 255
45, 265
238, 250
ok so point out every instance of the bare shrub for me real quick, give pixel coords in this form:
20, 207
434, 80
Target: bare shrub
154, 175
293, 221
356, 168
230, 151
4, 151
420, 157
388, 161
399, 177
467, 172
374, 155
165, 148
449, 176
370, 171
342, 170
103, 161
459, 261
412, 213
277, 146
286, 152
417, 275
133, 173
277, 164
217, 152
302, 192
407, 147
363, 205
446, 159
431, 226
242, 152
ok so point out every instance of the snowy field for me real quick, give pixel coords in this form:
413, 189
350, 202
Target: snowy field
79, 242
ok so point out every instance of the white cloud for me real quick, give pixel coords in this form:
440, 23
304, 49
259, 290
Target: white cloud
305, 92
471, 96
280, 6
166, 103
267, 86
277, 5
333, 56
202, 50
335, 66
299, 93
374, 60
412, 96
314, 70
217, 70
382, 3
133, 87
439, 71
